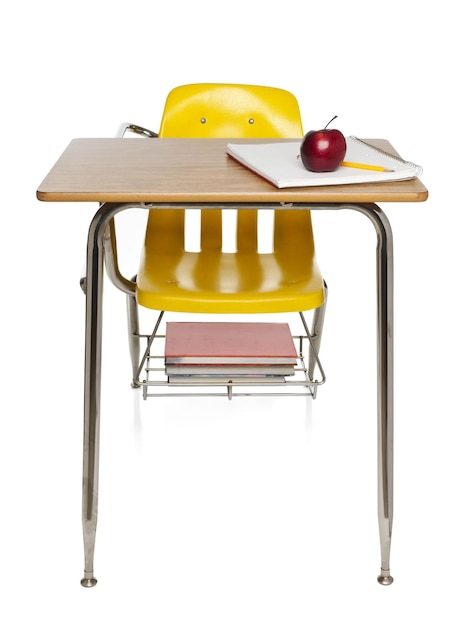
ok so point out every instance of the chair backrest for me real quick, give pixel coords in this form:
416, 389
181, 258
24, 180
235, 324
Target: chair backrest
212, 110
227, 110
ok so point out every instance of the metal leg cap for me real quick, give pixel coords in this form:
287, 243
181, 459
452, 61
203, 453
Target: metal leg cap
88, 582
385, 579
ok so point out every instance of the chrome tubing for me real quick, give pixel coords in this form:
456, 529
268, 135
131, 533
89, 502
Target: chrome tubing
92, 381
385, 371
93, 345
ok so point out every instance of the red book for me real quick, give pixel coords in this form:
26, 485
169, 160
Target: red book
233, 343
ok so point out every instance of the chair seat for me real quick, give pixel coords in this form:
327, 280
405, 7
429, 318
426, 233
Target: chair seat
222, 282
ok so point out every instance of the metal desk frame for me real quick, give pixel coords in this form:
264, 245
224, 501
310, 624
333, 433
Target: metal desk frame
122, 174
93, 349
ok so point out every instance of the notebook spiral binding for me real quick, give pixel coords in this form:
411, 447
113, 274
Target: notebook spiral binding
417, 168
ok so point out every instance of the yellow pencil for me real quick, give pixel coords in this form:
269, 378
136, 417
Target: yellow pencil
363, 166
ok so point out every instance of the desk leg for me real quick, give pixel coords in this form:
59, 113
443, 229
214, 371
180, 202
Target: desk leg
385, 354
385, 276
92, 393
93, 343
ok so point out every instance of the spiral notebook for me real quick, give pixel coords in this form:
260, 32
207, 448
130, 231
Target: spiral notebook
280, 164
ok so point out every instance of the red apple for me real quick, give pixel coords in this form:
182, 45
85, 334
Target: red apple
323, 150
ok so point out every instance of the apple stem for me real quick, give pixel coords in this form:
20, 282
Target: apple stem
333, 118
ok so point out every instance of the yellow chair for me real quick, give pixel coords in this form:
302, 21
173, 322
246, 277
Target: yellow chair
209, 280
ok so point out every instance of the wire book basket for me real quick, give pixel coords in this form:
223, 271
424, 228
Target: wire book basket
153, 377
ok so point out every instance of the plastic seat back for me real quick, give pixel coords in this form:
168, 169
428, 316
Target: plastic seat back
226, 111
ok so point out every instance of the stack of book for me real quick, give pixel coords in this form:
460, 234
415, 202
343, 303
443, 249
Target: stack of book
223, 352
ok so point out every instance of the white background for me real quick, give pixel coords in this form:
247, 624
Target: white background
251, 511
